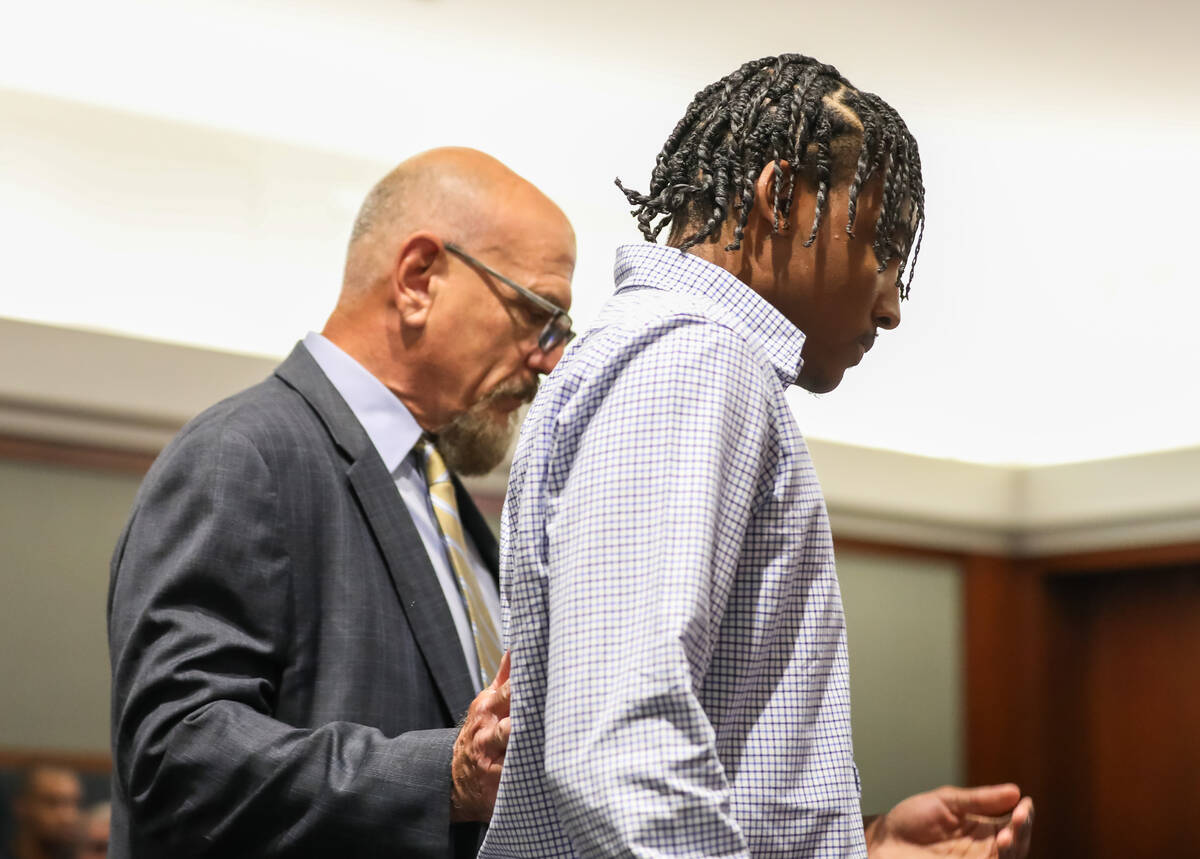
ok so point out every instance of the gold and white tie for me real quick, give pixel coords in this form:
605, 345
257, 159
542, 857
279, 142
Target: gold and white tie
445, 510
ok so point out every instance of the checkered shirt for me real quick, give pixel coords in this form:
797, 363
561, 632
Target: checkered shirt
679, 669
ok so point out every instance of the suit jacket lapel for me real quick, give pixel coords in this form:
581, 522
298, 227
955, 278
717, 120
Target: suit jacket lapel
412, 574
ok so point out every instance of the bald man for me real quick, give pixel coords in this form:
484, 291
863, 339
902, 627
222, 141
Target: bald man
303, 605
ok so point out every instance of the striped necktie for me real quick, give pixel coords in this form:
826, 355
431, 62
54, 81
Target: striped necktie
445, 510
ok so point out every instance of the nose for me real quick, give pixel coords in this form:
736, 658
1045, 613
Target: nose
886, 313
543, 362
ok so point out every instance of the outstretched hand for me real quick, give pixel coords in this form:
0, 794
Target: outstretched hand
972, 823
479, 751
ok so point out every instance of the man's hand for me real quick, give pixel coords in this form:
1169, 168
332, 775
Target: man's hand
953, 821
479, 751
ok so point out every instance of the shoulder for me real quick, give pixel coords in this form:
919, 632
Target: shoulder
680, 378
676, 350
265, 426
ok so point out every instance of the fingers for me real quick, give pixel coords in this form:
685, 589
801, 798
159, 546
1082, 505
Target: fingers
1014, 839
1022, 829
992, 800
493, 739
1023, 813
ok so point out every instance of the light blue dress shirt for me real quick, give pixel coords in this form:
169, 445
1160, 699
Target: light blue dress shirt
680, 681
394, 432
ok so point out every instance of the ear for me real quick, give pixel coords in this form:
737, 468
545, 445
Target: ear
414, 271
764, 195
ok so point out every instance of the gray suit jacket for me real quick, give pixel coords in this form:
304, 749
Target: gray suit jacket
286, 674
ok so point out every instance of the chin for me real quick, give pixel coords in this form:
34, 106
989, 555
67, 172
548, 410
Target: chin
818, 384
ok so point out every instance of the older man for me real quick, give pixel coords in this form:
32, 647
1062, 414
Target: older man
304, 603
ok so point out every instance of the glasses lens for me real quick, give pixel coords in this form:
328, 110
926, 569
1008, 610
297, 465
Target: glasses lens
557, 332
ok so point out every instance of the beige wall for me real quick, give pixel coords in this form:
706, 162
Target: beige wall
58, 527
904, 618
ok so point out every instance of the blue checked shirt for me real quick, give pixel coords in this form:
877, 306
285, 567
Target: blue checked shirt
679, 670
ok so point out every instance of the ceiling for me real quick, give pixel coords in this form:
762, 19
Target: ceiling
187, 171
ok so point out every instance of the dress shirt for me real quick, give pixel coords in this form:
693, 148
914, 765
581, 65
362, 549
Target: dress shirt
680, 683
394, 432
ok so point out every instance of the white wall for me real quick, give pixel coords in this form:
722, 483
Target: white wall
188, 171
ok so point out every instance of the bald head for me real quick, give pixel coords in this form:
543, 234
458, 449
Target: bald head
463, 195
455, 269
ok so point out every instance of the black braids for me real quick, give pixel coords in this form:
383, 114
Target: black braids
713, 176
912, 269
777, 123
916, 208
745, 182
916, 225
810, 102
866, 160
906, 167
668, 162
777, 182
824, 177
883, 226
752, 146
793, 96
775, 109
697, 106
898, 190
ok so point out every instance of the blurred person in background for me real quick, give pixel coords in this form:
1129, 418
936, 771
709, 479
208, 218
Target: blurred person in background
680, 680
304, 604
93, 838
46, 813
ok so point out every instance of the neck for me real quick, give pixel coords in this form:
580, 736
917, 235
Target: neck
386, 354
751, 263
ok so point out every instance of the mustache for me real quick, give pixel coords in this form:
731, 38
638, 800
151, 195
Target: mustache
524, 391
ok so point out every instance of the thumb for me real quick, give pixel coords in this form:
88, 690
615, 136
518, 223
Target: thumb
502, 672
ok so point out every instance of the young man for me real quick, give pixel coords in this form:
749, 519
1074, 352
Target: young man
679, 669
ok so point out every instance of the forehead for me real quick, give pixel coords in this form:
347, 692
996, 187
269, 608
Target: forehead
541, 258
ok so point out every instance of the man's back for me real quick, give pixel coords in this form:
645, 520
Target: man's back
669, 584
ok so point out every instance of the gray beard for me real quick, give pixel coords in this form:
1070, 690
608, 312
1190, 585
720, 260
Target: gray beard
475, 442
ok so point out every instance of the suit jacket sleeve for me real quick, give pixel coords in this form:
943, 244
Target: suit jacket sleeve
199, 613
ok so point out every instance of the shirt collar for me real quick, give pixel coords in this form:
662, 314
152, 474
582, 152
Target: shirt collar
388, 423
647, 265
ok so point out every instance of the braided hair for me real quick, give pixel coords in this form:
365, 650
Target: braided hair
787, 108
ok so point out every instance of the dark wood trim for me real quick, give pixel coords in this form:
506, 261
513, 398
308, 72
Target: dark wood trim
1026, 652
1110, 560
75, 455
89, 762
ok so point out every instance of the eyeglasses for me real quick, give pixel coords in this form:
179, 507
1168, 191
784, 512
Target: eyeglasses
557, 331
